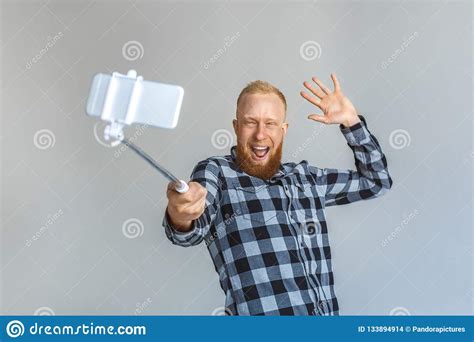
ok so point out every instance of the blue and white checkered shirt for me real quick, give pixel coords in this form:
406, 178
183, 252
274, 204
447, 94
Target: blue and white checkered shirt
268, 239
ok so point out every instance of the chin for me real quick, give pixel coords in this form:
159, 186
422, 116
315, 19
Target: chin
259, 160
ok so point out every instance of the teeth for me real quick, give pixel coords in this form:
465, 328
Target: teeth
260, 151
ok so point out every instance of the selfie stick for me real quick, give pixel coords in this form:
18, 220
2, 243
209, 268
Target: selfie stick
115, 129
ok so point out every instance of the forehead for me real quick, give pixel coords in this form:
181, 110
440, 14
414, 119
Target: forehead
261, 106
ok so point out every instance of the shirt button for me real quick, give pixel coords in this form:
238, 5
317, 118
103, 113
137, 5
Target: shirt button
323, 306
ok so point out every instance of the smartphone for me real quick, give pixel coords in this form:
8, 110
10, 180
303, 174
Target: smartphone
130, 100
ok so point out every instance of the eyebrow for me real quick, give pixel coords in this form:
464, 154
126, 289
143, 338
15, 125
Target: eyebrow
250, 117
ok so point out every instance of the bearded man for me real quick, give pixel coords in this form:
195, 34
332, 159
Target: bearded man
264, 221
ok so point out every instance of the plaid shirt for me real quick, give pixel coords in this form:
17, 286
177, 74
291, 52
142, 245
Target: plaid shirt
268, 239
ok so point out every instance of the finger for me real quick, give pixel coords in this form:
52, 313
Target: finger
179, 198
311, 99
314, 90
337, 86
197, 207
197, 197
169, 189
321, 85
319, 118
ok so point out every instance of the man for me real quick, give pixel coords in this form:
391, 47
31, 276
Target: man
264, 222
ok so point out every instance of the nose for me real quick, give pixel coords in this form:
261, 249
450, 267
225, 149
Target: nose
261, 133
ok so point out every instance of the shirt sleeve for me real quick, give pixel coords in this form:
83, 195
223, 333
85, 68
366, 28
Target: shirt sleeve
206, 173
371, 177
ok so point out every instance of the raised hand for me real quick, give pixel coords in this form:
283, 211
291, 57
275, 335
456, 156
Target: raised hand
337, 108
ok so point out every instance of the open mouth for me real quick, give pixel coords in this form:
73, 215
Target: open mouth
259, 152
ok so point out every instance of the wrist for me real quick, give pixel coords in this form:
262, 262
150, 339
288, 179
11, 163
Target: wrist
184, 226
178, 224
354, 119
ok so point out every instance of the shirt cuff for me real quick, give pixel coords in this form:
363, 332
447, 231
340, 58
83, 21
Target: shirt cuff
356, 134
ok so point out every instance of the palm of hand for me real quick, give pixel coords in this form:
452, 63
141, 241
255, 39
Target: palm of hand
336, 107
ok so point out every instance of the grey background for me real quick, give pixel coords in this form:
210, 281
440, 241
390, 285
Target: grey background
416, 94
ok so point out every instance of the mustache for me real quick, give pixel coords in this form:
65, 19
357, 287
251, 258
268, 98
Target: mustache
258, 144
245, 162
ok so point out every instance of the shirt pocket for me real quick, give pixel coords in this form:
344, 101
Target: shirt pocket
254, 202
307, 197
308, 209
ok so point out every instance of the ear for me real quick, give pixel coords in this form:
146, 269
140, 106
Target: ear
234, 123
285, 128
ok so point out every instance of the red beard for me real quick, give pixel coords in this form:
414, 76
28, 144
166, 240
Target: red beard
266, 171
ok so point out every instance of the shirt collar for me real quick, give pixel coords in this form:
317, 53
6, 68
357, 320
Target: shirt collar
279, 173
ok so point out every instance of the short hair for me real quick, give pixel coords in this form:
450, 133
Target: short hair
261, 87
